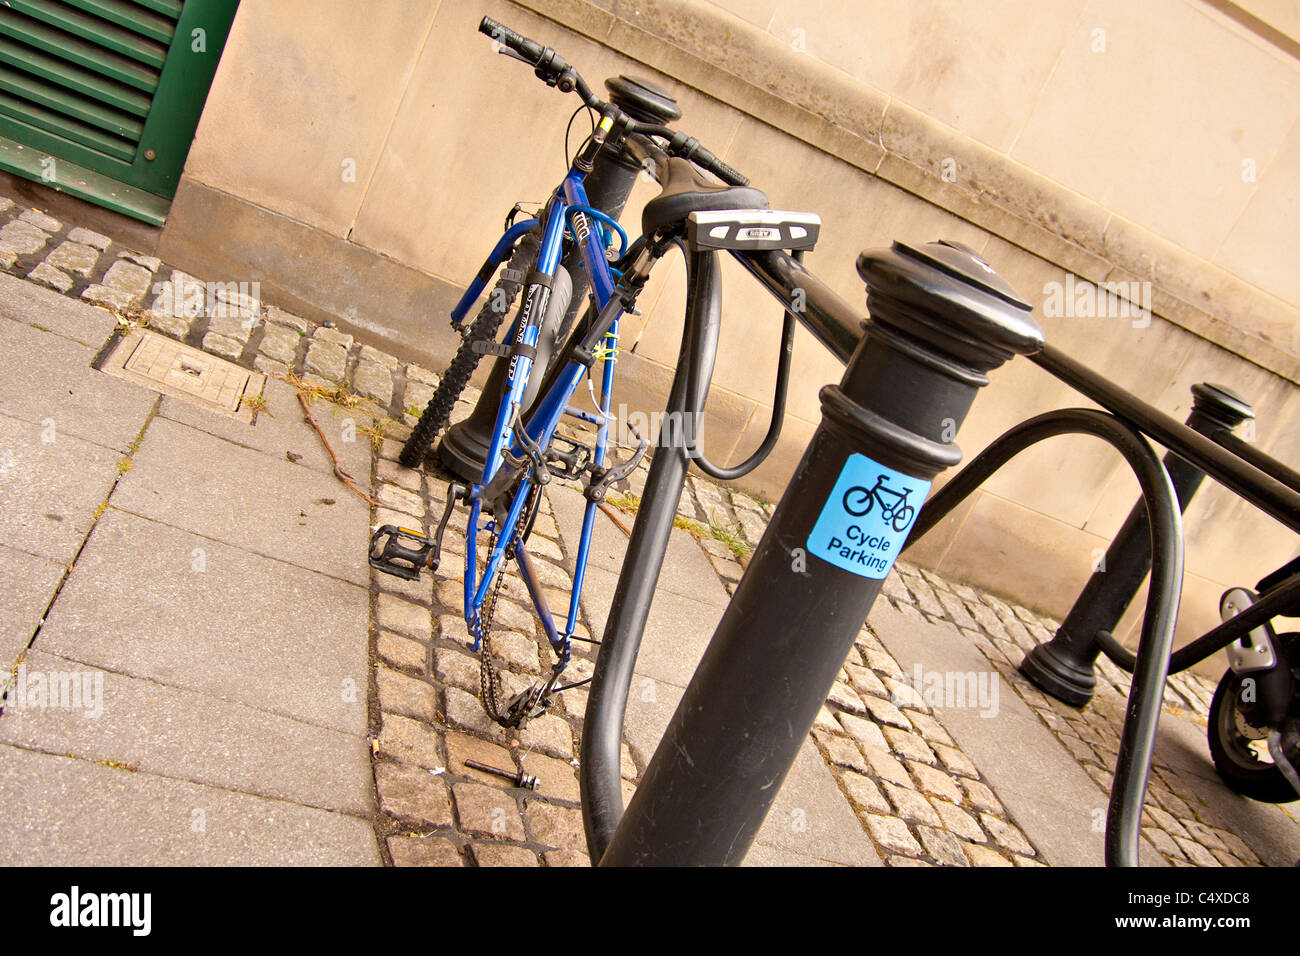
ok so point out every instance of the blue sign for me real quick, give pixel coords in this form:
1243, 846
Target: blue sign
865, 521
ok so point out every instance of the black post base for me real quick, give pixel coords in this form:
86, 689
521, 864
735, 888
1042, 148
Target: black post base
464, 446
463, 450
1063, 669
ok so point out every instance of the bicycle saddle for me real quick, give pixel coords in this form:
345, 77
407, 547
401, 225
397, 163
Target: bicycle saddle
686, 190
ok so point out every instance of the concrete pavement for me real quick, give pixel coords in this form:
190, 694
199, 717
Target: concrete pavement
185, 574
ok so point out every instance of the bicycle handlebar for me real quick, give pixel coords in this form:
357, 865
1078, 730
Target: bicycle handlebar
530, 50
641, 147
552, 68
720, 169
690, 148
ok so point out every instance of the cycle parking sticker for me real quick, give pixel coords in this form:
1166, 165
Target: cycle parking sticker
865, 521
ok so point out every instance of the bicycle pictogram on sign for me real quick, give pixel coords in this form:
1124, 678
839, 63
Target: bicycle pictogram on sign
858, 501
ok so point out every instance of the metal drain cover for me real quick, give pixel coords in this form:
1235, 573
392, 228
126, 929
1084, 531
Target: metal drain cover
167, 366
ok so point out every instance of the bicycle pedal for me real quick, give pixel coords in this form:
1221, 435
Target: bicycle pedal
576, 459
391, 553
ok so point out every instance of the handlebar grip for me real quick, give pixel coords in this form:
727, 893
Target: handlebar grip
716, 166
689, 147
725, 173
530, 49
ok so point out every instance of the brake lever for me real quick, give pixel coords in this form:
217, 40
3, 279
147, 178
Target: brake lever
507, 51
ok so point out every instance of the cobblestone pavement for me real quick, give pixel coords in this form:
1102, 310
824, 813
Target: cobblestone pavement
1181, 826
431, 720
917, 795
225, 318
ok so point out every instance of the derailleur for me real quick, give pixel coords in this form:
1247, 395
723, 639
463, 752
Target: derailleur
529, 704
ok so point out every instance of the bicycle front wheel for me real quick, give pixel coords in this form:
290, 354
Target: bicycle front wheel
483, 330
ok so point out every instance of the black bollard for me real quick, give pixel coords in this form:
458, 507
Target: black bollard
940, 319
1064, 666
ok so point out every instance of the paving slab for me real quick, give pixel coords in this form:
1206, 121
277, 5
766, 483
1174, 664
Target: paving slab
30, 304
688, 603
48, 380
677, 630
27, 583
245, 628
155, 727
686, 569
50, 489
650, 707
1048, 794
810, 816
246, 498
762, 854
123, 818
281, 431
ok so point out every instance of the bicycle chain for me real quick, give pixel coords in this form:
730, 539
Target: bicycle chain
489, 678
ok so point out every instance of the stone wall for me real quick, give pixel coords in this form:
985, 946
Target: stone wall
357, 159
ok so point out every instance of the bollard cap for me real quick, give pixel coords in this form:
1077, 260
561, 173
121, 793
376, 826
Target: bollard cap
642, 99
1221, 403
946, 295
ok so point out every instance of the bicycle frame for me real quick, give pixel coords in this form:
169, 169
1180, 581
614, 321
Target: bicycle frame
568, 204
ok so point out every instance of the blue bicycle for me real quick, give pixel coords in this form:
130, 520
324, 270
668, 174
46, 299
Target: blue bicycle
540, 378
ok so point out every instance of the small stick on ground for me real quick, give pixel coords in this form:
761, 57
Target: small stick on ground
339, 473
613, 516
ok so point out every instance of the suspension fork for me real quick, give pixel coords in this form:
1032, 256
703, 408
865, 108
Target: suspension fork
500, 252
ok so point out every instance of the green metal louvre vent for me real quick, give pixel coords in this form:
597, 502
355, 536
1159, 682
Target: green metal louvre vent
110, 91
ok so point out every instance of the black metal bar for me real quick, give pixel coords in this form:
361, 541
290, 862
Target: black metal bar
602, 734
831, 320
1141, 720
1265, 463
940, 319
1064, 666
1263, 491
1281, 600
